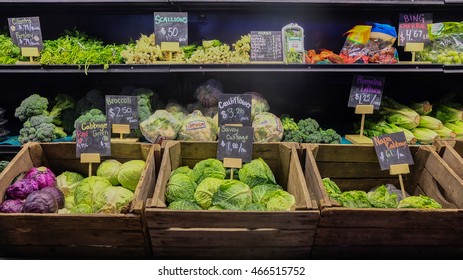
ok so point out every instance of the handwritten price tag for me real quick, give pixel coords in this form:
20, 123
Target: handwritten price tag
392, 149
25, 32
366, 90
93, 137
122, 109
235, 142
235, 109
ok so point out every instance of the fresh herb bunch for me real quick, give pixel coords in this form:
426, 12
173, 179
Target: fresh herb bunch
77, 48
9, 52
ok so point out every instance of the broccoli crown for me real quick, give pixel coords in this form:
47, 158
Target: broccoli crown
288, 123
144, 103
308, 125
33, 105
93, 99
40, 129
330, 136
94, 115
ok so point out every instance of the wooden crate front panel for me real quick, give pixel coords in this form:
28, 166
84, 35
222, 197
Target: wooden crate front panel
232, 237
386, 252
290, 220
74, 252
388, 237
243, 253
339, 218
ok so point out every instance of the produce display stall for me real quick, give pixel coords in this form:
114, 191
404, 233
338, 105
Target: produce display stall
97, 48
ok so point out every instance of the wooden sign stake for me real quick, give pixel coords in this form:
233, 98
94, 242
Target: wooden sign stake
31, 53
361, 139
232, 163
122, 129
399, 169
90, 158
413, 48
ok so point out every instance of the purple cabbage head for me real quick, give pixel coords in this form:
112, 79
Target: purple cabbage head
57, 194
22, 188
40, 202
11, 206
43, 175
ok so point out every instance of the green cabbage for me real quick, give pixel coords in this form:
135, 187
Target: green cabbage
354, 199
232, 195
215, 207
68, 178
184, 205
208, 168
420, 201
114, 200
255, 207
262, 193
89, 190
205, 191
280, 200
256, 172
130, 173
109, 169
180, 187
81, 209
181, 169
381, 198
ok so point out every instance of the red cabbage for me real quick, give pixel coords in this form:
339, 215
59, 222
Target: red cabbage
57, 194
22, 188
40, 202
11, 206
43, 175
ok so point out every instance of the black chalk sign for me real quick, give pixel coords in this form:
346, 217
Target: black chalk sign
25, 32
392, 149
366, 90
235, 109
122, 109
266, 46
413, 28
235, 142
93, 137
171, 27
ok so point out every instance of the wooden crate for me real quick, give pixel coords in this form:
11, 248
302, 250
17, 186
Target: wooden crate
233, 234
112, 236
380, 233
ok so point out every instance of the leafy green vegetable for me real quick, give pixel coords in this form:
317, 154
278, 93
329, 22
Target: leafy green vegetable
448, 114
456, 127
130, 173
205, 191
180, 187
255, 173
255, 207
280, 200
331, 188
67, 181
399, 114
9, 52
208, 168
90, 190
425, 135
180, 170
62, 102
381, 198
420, 201
430, 122
114, 200
34, 105
354, 199
232, 195
109, 169
422, 108
184, 205
161, 124
262, 193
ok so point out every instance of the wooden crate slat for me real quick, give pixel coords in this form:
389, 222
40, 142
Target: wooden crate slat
73, 237
431, 188
365, 184
165, 218
341, 218
278, 253
346, 153
238, 237
359, 170
388, 237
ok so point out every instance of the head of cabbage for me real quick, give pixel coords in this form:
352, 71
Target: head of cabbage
205, 191
114, 200
232, 195
109, 170
184, 205
207, 168
256, 172
90, 190
180, 187
130, 173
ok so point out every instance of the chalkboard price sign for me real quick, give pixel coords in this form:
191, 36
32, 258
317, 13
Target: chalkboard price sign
235, 142
266, 46
235, 109
25, 32
413, 28
392, 149
171, 27
366, 90
93, 137
122, 109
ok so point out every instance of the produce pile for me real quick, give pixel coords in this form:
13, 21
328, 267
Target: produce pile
205, 187
40, 191
9, 52
384, 196
421, 121
307, 131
